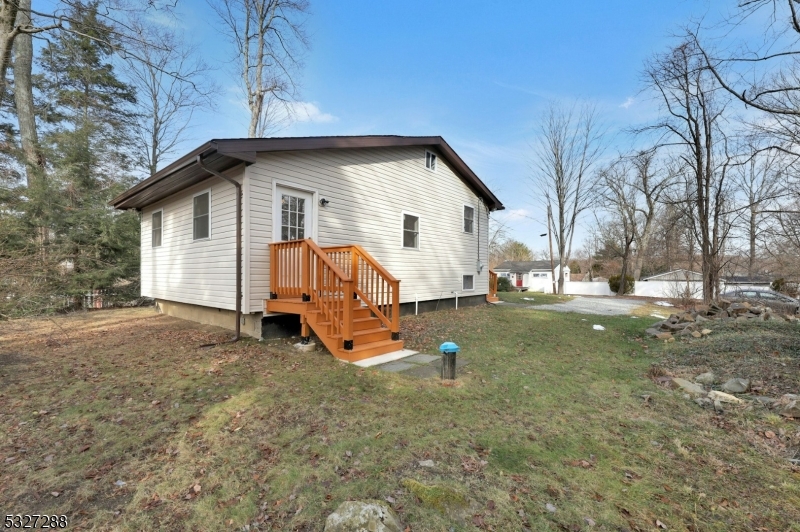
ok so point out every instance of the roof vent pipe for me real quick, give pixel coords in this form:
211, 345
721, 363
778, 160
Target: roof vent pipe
238, 250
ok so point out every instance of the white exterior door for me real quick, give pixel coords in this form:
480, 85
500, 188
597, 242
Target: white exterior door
294, 214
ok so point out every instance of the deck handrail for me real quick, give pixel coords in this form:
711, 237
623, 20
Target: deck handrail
376, 287
302, 268
492, 284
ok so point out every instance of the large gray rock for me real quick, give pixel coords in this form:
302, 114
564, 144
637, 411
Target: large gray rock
363, 516
736, 386
694, 390
791, 410
724, 397
707, 378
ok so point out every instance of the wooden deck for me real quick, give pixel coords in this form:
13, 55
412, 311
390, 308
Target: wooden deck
341, 293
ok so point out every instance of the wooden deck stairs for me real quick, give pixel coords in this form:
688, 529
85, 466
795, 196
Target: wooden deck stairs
491, 297
341, 293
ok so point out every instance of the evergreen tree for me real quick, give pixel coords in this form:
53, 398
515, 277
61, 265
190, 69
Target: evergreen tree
88, 142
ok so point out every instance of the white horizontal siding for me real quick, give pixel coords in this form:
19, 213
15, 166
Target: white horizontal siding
202, 272
368, 190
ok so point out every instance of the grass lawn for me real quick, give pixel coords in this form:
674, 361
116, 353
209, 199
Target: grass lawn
118, 420
532, 298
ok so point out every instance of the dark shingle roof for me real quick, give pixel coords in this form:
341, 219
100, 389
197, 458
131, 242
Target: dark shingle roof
525, 265
223, 154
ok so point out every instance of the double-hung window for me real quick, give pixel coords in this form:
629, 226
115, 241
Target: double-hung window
410, 231
201, 216
156, 228
469, 219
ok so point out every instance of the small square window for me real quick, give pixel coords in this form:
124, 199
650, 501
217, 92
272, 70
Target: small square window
469, 219
410, 231
156, 229
430, 161
468, 282
201, 214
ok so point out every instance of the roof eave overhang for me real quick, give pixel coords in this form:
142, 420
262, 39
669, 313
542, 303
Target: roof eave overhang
223, 154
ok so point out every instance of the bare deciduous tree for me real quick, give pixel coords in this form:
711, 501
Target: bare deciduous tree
761, 180
620, 197
693, 131
269, 38
171, 84
568, 148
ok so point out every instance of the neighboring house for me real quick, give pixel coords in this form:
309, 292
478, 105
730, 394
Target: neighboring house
676, 284
321, 218
739, 282
675, 275
533, 275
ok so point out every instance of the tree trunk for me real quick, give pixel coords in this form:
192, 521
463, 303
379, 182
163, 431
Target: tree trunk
23, 96
8, 32
751, 265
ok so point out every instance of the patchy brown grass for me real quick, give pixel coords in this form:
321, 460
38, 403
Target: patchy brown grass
548, 412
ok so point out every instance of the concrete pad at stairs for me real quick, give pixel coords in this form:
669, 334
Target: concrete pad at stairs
396, 367
388, 357
422, 359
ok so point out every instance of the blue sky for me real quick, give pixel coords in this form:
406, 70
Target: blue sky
478, 73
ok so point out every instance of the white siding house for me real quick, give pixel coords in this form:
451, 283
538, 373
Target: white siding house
534, 276
410, 202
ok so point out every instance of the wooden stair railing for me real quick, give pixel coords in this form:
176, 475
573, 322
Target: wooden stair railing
491, 297
373, 284
300, 268
349, 300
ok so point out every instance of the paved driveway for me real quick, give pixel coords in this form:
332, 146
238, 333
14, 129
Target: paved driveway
604, 306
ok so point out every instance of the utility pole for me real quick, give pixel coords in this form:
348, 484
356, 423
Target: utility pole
550, 238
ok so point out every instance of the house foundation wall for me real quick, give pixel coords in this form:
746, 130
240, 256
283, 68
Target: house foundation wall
408, 309
251, 325
288, 325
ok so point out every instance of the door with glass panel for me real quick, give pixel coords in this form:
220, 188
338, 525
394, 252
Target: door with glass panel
295, 216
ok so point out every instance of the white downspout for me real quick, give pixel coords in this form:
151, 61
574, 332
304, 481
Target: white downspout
416, 305
456, 293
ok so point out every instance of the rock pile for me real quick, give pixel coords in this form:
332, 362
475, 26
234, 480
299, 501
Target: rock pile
690, 322
788, 405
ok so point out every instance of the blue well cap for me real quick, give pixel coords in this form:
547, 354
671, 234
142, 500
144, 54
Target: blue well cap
449, 347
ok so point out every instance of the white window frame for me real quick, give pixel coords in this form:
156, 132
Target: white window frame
464, 219
473, 282
276, 210
208, 190
435, 159
403, 230
161, 229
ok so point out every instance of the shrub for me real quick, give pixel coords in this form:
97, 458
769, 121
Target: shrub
503, 284
613, 283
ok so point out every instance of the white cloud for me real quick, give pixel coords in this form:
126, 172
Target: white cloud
514, 215
627, 103
309, 112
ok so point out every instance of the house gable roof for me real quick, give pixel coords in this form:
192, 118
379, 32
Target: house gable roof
523, 266
676, 275
223, 154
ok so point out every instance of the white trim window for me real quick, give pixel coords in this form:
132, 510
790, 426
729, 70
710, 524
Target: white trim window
156, 226
469, 219
201, 216
468, 283
410, 231
430, 161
